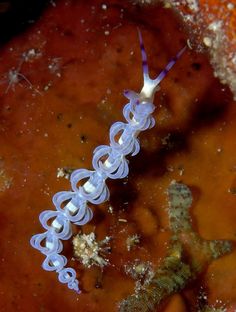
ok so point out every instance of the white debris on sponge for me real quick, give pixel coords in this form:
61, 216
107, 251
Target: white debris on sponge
90, 251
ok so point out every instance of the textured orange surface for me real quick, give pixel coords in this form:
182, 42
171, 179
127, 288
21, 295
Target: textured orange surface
78, 73
211, 25
209, 10
222, 10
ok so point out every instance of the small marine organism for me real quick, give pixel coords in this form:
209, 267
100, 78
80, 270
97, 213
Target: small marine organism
132, 241
141, 271
15, 77
64, 172
89, 186
89, 251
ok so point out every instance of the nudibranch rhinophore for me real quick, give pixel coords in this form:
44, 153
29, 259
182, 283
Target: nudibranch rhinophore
89, 186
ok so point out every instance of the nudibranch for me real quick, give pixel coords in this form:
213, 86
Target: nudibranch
89, 186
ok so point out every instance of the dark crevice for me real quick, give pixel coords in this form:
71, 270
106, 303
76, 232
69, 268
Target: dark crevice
17, 16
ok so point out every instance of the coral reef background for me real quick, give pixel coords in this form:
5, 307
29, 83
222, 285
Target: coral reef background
60, 89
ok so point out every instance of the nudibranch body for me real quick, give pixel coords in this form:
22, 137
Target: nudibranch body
109, 161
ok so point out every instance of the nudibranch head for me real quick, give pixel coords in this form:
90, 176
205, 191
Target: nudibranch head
150, 86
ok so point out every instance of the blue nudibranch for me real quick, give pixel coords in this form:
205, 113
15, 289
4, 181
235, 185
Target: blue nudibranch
109, 161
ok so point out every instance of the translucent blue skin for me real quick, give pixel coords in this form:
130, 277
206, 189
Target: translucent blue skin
109, 161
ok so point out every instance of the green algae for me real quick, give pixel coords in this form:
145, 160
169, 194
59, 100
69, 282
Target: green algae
185, 260
212, 309
180, 200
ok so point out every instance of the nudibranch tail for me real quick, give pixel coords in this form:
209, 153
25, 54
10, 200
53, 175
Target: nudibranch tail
109, 161
150, 85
